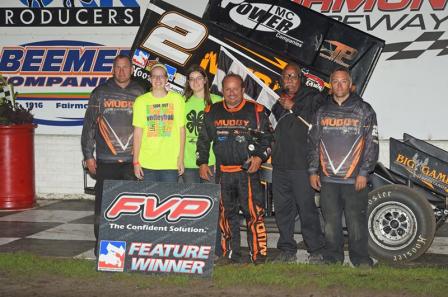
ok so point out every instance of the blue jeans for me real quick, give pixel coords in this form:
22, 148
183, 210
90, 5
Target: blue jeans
336, 199
165, 176
190, 176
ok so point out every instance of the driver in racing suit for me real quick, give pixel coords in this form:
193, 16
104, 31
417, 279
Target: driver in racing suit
241, 136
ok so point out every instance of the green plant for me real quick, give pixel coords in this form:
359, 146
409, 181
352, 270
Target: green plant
11, 112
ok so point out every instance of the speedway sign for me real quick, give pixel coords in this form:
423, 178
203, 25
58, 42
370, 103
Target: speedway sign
158, 228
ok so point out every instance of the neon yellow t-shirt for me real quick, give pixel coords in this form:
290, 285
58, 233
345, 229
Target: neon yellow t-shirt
194, 118
160, 119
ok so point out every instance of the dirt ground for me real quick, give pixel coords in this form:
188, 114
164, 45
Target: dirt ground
57, 286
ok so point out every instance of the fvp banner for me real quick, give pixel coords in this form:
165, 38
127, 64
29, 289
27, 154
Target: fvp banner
158, 227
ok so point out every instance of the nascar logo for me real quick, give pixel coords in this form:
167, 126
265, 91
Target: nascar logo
266, 18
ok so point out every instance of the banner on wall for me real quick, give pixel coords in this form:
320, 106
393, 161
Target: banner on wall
55, 52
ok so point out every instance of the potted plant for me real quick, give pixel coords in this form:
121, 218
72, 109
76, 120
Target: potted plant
17, 187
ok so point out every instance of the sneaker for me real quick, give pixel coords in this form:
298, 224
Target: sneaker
364, 266
285, 257
260, 260
315, 258
222, 261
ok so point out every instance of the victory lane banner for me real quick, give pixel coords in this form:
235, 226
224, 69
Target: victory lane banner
158, 228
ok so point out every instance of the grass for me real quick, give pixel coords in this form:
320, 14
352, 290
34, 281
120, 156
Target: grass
418, 281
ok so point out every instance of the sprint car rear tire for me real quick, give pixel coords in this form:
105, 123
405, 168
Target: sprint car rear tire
401, 224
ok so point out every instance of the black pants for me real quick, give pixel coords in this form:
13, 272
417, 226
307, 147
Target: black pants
336, 199
109, 171
293, 195
242, 191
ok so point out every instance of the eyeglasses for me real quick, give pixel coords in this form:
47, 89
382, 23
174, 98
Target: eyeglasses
156, 77
195, 79
290, 76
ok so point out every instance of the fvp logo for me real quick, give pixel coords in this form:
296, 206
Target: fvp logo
79, 3
173, 209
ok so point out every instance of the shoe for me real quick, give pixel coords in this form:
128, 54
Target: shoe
223, 261
364, 266
260, 260
285, 257
315, 258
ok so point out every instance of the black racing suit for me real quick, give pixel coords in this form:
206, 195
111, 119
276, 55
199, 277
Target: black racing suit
344, 145
108, 130
232, 133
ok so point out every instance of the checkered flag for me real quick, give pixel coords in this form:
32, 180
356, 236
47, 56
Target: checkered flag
254, 88
414, 49
6, 94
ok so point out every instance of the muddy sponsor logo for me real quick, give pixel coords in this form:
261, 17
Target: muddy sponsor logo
151, 209
266, 18
338, 122
119, 104
231, 123
40, 13
422, 170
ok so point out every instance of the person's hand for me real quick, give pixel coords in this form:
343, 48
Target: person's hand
205, 172
138, 171
315, 182
286, 101
91, 166
255, 163
360, 183
180, 166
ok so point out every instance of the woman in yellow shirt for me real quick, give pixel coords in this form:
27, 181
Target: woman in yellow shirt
159, 131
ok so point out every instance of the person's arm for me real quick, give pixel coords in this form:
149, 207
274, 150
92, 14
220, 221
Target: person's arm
263, 148
88, 133
313, 153
138, 121
203, 148
180, 158
138, 171
371, 150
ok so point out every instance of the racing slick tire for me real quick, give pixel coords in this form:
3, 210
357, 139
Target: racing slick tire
401, 224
